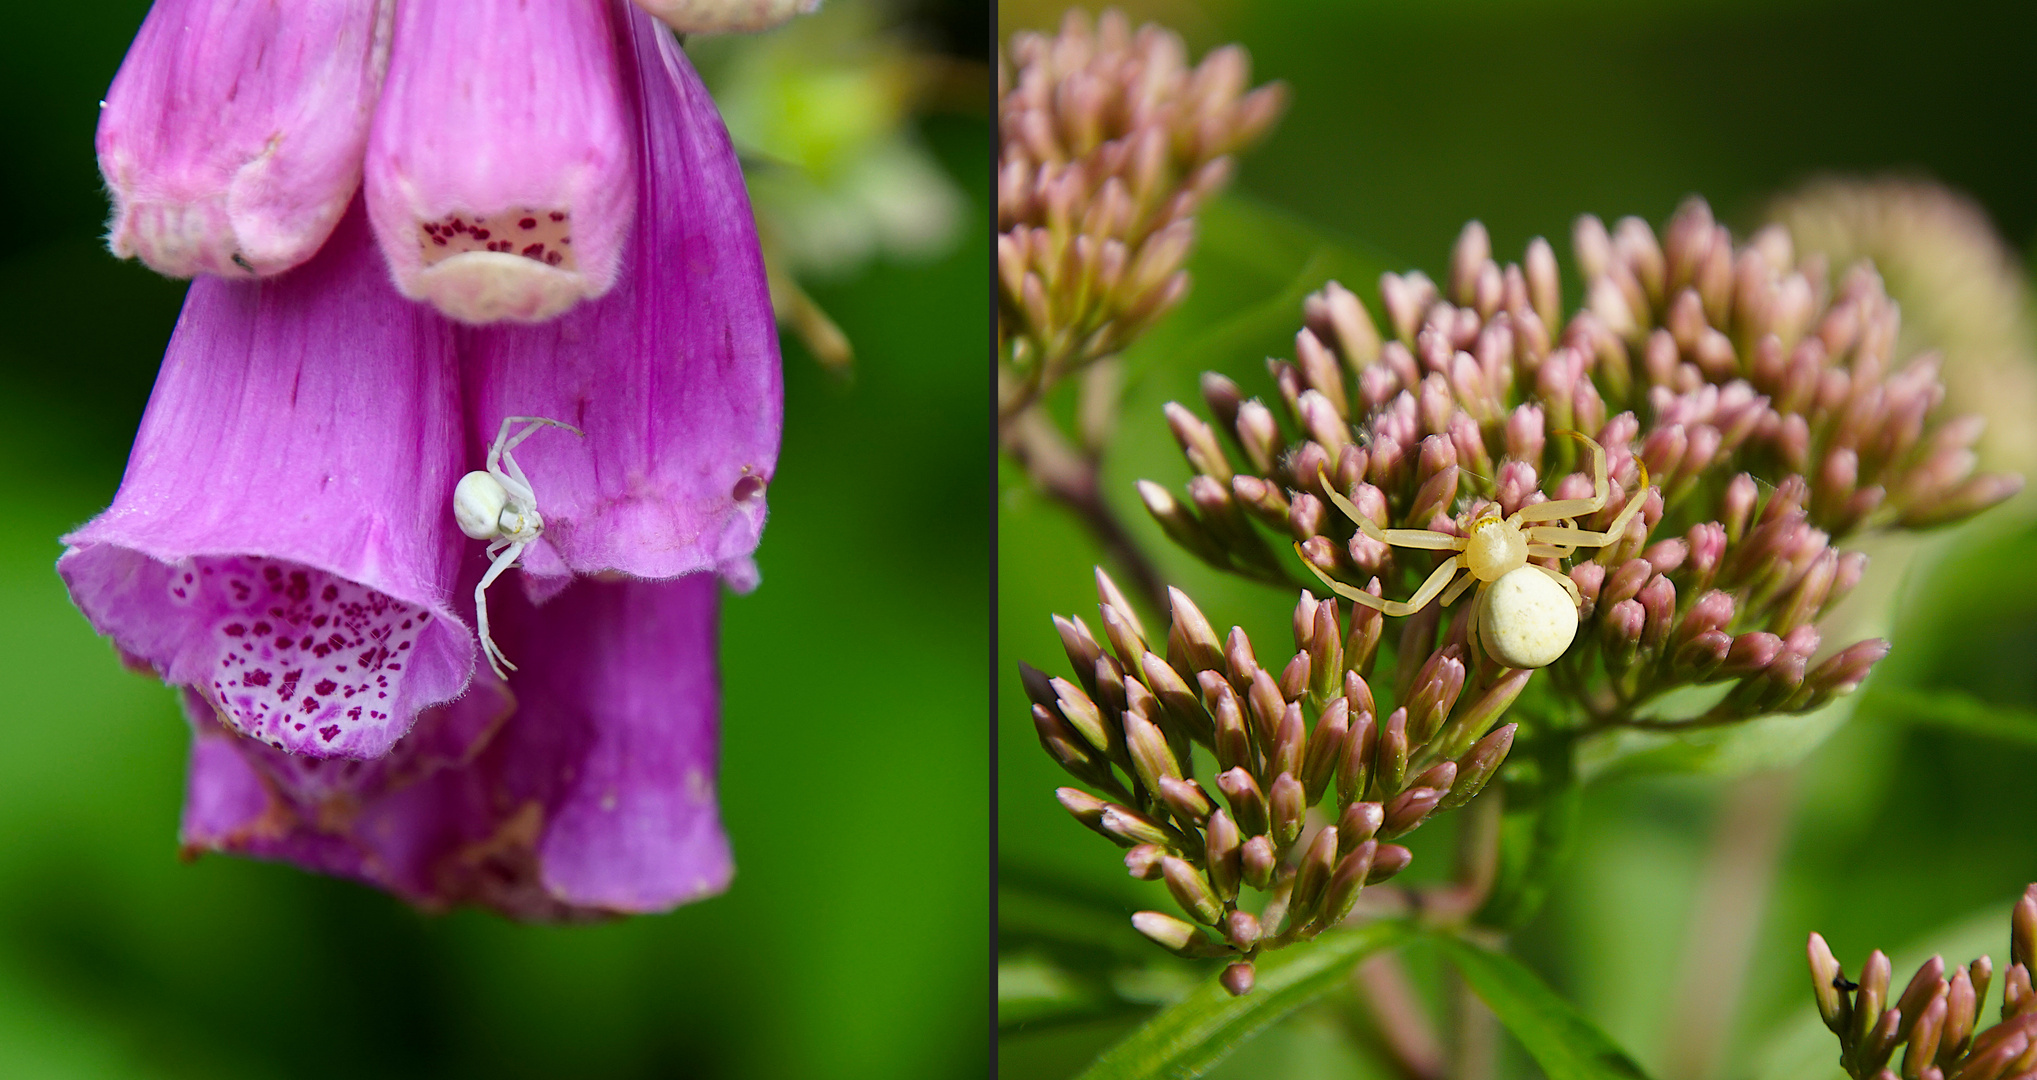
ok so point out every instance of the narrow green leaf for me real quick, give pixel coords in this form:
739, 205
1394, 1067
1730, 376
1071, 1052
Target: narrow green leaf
1955, 709
1187, 1039
1565, 1044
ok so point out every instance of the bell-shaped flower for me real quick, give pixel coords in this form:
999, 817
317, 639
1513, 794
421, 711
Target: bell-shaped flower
673, 375
231, 138
595, 795
501, 173
280, 542
284, 546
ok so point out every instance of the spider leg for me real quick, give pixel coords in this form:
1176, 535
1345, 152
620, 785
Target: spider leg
1552, 534
489, 649
1549, 551
1473, 639
1425, 539
1563, 579
1434, 585
1457, 588
1564, 508
509, 474
1395, 608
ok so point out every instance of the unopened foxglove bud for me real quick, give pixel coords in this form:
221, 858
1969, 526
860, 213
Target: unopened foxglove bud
231, 138
503, 187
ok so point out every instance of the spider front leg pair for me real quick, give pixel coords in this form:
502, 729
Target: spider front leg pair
498, 505
1525, 614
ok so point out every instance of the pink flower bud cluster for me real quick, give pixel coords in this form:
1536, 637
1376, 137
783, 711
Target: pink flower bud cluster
1109, 141
1935, 1021
1282, 737
1961, 288
1766, 403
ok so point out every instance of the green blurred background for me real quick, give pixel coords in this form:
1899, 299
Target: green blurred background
1906, 832
854, 777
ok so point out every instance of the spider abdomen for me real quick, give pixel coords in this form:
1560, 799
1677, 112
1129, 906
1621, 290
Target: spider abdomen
1528, 619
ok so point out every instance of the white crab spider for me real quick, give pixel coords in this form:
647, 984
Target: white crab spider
1525, 614
499, 506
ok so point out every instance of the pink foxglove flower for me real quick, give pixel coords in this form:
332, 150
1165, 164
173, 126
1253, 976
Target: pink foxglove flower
280, 542
283, 546
593, 792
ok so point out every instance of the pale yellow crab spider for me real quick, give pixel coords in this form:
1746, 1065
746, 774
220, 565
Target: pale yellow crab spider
498, 505
1525, 614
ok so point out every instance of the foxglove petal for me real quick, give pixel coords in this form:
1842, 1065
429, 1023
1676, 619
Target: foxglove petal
231, 138
673, 375
596, 796
617, 737
281, 541
500, 171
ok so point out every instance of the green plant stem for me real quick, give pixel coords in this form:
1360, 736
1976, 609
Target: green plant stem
1474, 1047
1395, 1015
1738, 874
1072, 478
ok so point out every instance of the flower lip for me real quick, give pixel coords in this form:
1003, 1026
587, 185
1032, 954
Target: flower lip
275, 543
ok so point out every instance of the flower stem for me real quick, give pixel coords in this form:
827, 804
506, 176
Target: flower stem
1072, 478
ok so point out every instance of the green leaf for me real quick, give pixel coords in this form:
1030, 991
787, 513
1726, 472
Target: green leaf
1188, 1039
1543, 804
1565, 1044
1955, 709
1252, 265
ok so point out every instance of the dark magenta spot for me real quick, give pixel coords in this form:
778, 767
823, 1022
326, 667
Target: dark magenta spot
330, 732
258, 677
527, 223
262, 629
325, 687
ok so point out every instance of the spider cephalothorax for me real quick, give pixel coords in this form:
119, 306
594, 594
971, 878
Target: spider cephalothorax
1525, 613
